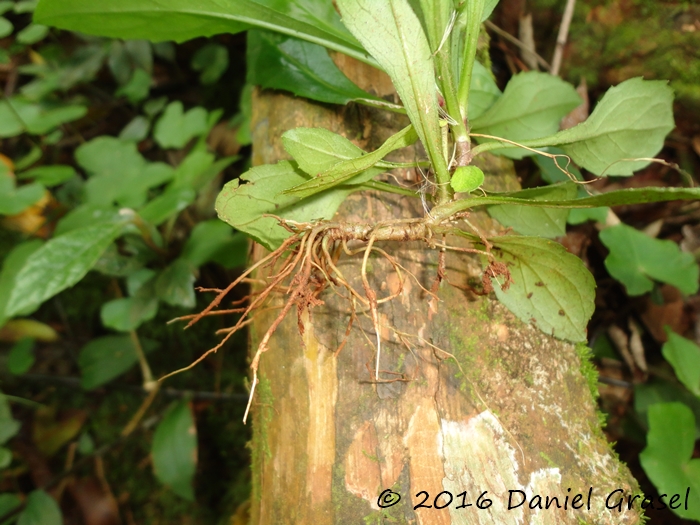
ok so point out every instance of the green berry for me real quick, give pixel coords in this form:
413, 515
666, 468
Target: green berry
466, 179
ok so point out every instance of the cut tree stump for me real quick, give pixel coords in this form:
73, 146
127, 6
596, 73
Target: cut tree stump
474, 401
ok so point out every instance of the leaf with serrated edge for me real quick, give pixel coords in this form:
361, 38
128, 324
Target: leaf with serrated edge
667, 456
180, 20
635, 259
543, 222
243, 205
174, 450
350, 170
531, 106
305, 69
631, 121
393, 35
59, 264
551, 288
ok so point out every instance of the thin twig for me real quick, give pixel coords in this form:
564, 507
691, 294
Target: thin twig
562, 37
500, 32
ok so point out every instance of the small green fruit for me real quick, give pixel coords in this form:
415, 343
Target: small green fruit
466, 179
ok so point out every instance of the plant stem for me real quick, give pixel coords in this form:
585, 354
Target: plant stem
562, 36
148, 383
444, 74
474, 10
388, 188
500, 32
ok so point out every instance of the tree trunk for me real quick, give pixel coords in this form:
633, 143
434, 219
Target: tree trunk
472, 401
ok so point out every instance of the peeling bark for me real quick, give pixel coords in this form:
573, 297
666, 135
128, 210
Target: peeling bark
490, 404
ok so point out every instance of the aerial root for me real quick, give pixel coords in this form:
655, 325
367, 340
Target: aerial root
306, 264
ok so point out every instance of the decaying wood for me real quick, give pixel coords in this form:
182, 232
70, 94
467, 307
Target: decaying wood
469, 399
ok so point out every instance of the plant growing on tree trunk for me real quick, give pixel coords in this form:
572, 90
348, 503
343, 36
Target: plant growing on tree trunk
458, 448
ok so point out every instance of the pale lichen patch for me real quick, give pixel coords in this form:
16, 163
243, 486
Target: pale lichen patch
478, 458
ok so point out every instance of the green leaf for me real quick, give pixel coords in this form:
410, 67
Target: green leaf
188, 172
109, 156
104, 358
18, 115
86, 214
466, 179
41, 509
9, 426
14, 200
118, 172
305, 69
25, 6
13, 263
317, 150
32, 34
435, 16
211, 60
630, 122
115, 264
137, 88
659, 390
170, 203
180, 20
59, 264
136, 130
154, 106
354, 170
175, 128
489, 6
8, 502
49, 176
21, 357
684, 356
393, 35
531, 107
174, 450
483, 92
137, 280
128, 313
551, 288
6, 27
611, 198
32, 156
667, 456
175, 284
243, 119
5, 459
542, 222
209, 239
6, 5
635, 259
234, 255
86, 445
551, 171
243, 205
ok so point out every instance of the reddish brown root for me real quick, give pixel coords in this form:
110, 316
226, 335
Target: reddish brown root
307, 261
